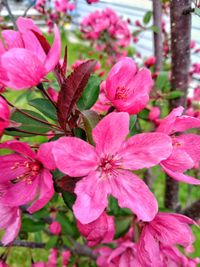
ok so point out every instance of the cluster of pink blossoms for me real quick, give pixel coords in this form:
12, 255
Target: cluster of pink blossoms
58, 13
108, 32
105, 169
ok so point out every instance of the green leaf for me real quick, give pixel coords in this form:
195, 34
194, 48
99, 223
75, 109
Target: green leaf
90, 93
68, 227
31, 226
28, 124
133, 119
144, 114
154, 29
114, 208
122, 225
45, 107
69, 199
147, 17
162, 81
175, 94
52, 242
90, 120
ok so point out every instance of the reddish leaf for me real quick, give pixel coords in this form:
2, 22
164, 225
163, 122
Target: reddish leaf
43, 41
72, 89
67, 183
60, 71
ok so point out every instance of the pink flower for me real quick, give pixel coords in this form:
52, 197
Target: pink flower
25, 175
52, 259
186, 147
10, 222
150, 61
154, 114
66, 254
4, 115
105, 168
53, 94
164, 230
3, 264
127, 87
24, 62
101, 230
92, 1
55, 228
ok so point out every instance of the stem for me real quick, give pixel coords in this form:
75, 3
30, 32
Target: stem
31, 116
77, 248
6, 5
35, 133
193, 211
44, 92
158, 46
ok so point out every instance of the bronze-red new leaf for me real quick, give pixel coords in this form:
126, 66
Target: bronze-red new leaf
72, 89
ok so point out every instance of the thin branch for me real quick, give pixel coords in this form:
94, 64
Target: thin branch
27, 9
6, 5
77, 248
44, 92
35, 133
193, 211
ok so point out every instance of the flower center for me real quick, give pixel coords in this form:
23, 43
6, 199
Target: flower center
122, 92
31, 170
109, 166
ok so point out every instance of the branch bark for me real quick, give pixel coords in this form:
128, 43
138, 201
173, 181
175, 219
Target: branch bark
12, 18
158, 44
180, 48
77, 248
193, 211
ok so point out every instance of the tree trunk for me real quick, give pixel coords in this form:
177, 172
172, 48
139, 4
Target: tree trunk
180, 49
158, 44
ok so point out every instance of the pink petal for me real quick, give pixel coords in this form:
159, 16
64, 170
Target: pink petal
181, 177
140, 86
184, 123
148, 249
145, 150
110, 132
46, 191
74, 156
22, 67
127, 188
19, 147
45, 155
2, 49
172, 229
11, 225
91, 199
7, 167
12, 39
53, 55
32, 44
120, 75
167, 124
24, 24
20, 193
178, 161
190, 143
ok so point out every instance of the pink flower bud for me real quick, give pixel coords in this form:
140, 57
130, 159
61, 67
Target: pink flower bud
154, 114
150, 61
66, 254
55, 228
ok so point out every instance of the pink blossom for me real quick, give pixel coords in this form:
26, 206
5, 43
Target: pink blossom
63, 6
92, 1
53, 94
127, 87
3, 264
55, 228
25, 175
186, 147
4, 115
150, 61
164, 230
10, 222
101, 230
66, 254
105, 168
103, 104
154, 114
52, 259
24, 62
